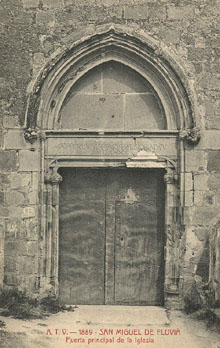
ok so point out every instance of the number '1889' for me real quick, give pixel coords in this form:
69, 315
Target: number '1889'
86, 332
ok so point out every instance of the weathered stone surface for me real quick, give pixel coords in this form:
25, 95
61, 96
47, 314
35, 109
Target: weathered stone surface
4, 211
180, 12
15, 212
10, 121
14, 197
2, 231
202, 198
194, 247
201, 182
15, 140
29, 227
201, 233
11, 279
53, 3
19, 180
23, 229
12, 228
1, 139
203, 215
2, 197
209, 198
28, 212
32, 248
10, 265
33, 197
38, 62
214, 182
213, 122
35, 180
29, 160
138, 12
199, 55
210, 140
15, 247
27, 265
188, 182
188, 198
171, 35
30, 3
44, 18
8, 161
4, 180
213, 161
30, 283
195, 161
107, 2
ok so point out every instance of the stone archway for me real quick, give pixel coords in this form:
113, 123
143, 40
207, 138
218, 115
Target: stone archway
123, 44
145, 147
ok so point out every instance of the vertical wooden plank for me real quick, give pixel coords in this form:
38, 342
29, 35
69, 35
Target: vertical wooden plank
109, 251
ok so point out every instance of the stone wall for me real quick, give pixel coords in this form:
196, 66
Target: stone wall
201, 207
31, 30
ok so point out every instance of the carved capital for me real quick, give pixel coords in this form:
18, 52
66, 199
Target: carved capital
30, 135
169, 177
191, 135
53, 179
42, 135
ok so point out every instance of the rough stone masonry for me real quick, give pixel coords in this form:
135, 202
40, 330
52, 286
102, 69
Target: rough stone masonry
31, 31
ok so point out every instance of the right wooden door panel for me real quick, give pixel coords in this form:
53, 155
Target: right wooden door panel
138, 217
137, 264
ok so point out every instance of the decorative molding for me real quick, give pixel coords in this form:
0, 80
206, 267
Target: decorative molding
53, 179
191, 136
30, 135
144, 159
83, 52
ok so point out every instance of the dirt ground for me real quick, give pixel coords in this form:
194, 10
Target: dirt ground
109, 326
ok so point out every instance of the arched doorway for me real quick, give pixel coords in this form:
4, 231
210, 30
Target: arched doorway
111, 226
111, 108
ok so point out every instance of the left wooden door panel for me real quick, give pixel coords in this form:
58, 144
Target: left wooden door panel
82, 238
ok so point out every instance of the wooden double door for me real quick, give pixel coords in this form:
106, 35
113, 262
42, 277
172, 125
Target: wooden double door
111, 236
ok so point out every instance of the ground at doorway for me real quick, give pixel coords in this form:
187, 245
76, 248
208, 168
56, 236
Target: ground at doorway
109, 326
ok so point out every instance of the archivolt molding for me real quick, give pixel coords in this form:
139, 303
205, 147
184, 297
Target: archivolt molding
122, 44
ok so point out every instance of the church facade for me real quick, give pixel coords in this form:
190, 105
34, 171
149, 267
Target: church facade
110, 151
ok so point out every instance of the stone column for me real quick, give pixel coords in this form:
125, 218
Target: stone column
171, 228
52, 181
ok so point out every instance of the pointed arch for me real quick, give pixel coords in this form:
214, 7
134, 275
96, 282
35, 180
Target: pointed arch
113, 43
